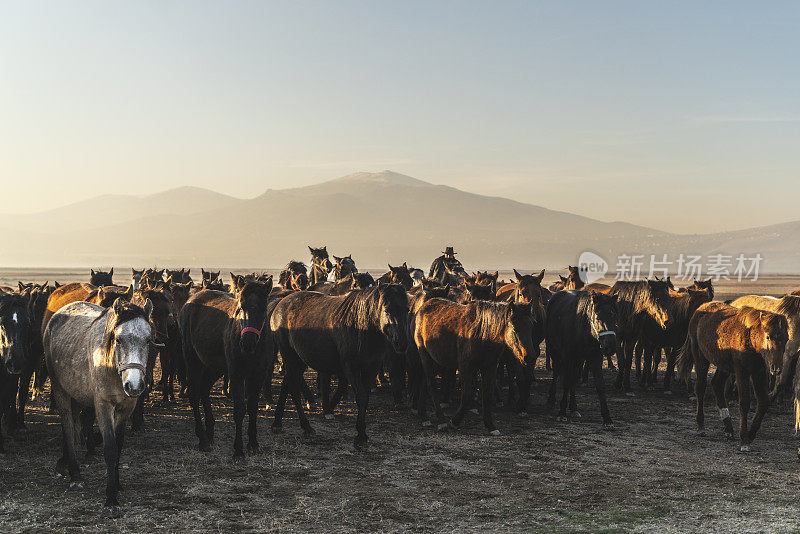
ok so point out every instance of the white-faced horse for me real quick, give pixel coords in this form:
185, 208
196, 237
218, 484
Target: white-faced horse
97, 358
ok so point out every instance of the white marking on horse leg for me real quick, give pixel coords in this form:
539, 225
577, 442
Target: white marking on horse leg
724, 413
328, 416
427, 424
495, 432
441, 426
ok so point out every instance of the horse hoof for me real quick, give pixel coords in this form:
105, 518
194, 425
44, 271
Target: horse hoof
308, 432
329, 416
114, 511
744, 448
494, 432
575, 415
277, 429
609, 426
441, 426
76, 485
444, 405
253, 447
522, 414
667, 392
473, 411
205, 446
426, 424
562, 419
729, 435
630, 394
361, 442
238, 457
700, 433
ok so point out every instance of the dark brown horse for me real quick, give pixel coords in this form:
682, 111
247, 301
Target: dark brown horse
181, 276
580, 329
321, 265
470, 338
398, 275
101, 278
340, 335
225, 334
572, 281
743, 341
640, 304
343, 267
294, 276
15, 335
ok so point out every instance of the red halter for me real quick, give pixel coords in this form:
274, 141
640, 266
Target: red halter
253, 330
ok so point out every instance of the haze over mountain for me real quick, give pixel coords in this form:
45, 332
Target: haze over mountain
380, 218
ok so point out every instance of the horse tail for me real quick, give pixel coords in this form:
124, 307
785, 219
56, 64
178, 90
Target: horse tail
685, 359
796, 400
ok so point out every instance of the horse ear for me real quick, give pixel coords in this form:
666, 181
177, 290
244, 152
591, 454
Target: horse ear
390, 266
21, 287
336, 258
57, 284
496, 274
349, 256
539, 276
111, 272
405, 266
187, 270
268, 284
129, 291
117, 306
148, 308
92, 270
325, 248
519, 276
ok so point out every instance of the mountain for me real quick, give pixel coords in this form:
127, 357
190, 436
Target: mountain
378, 217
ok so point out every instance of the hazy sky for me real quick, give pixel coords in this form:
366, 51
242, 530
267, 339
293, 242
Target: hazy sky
679, 115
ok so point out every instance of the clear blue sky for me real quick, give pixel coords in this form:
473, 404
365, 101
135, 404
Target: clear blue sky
672, 114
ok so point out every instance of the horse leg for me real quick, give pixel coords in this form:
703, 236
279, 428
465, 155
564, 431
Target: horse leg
277, 423
427, 370
787, 374
596, 365
759, 379
325, 393
647, 365
487, 379
628, 361
295, 371
654, 371
637, 352
672, 352
397, 377
523, 376
701, 370
105, 420
236, 384
467, 390
743, 387
551, 394
87, 429
718, 386
209, 377
253, 386
24, 394
70, 425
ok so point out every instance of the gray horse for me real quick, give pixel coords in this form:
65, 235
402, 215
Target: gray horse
97, 358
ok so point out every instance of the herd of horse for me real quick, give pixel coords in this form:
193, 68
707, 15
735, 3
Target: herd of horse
427, 338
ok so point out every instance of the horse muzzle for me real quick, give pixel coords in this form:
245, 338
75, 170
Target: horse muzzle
608, 342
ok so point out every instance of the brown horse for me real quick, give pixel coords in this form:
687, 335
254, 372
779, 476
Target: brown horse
81, 291
294, 276
743, 341
572, 281
638, 302
341, 335
225, 334
789, 307
470, 338
101, 278
343, 267
398, 275
321, 265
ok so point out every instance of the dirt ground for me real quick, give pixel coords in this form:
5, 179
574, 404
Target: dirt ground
650, 474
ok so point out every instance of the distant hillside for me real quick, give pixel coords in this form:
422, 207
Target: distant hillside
378, 217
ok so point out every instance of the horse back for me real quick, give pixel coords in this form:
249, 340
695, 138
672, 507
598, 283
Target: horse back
66, 294
206, 322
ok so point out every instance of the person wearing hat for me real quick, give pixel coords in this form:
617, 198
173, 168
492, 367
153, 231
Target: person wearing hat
443, 264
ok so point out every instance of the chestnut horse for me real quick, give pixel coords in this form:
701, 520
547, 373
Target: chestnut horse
743, 341
223, 334
341, 335
789, 307
470, 338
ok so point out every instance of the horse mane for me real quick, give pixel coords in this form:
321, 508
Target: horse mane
297, 266
750, 317
121, 312
491, 318
356, 309
633, 297
789, 305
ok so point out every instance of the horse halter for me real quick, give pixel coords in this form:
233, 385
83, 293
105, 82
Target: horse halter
599, 334
253, 330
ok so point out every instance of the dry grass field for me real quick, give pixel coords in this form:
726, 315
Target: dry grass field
651, 474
